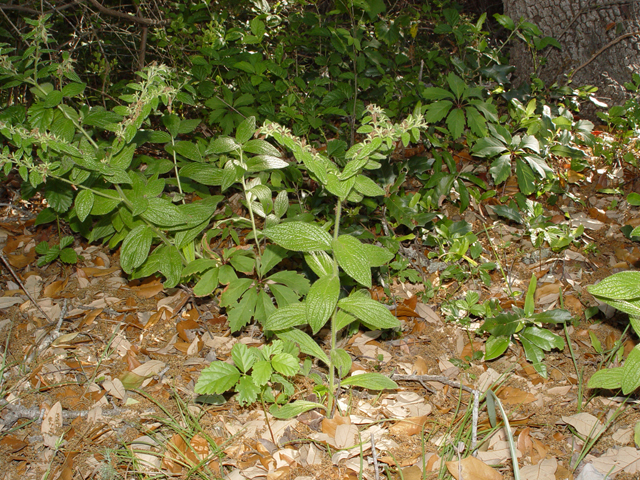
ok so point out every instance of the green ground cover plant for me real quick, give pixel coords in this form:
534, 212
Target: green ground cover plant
272, 167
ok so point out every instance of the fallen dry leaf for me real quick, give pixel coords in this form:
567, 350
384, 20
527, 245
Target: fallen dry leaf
51, 424
409, 426
12, 444
373, 352
148, 289
420, 366
412, 473
544, 470
539, 451
98, 271
524, 443
185, 325
515, 396
471, 468
54, 288
329, 425
585, 424
625, 459
346, 436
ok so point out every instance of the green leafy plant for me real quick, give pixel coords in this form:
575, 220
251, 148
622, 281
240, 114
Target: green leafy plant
246, 161
61, 251
327, 255
530, 214
526, 327
621, 291
525, 150
462, 105
256, 374
463, 309
455, 243
532, 36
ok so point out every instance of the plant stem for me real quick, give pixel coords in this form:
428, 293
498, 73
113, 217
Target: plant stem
253, 226
334, 330
175, 165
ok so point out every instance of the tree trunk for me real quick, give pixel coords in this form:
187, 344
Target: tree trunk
600, 44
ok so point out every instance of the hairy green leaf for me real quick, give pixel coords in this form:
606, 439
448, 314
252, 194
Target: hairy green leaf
294, 409
286, 317
135, 248
370, 312
299, 236
218, 377
370, 381
321, 301
352, 258
84, 204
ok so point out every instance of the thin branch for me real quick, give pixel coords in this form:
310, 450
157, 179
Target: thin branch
24, 289
125, 16
17, 412
375, 458
432, 378
607, 46
107, 11
20, 8
451, 383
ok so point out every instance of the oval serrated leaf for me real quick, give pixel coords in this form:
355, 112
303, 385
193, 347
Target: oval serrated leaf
246, 129
188, 150
218, 377
631, 371
285, 363
294, 409
135, 248
619, 286
370, 312
341, 361
163, 213
321, 301
352, 258
260, 163
84, 204
299, 236
368, 187
222, 145
286, 317
320, 262
307, 344
377, 256
281, 204
260, 147
608, 378
370, 381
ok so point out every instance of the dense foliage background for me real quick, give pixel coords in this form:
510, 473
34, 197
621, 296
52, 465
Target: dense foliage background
286, 158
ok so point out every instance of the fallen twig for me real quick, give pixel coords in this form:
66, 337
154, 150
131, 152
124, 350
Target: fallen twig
50, 337
17, 412
451, 383
24, 289
375, 458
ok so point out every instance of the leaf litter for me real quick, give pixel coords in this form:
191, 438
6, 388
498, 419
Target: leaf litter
118, 372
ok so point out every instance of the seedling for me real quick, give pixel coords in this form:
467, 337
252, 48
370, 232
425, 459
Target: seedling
525, 326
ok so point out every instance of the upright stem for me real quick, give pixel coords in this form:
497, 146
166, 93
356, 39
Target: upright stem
334, 330
253, 226
175, 165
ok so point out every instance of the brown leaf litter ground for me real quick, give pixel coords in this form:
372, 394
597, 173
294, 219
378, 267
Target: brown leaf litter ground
110, 392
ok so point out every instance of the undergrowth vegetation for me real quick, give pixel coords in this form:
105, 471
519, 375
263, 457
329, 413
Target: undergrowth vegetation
314, 135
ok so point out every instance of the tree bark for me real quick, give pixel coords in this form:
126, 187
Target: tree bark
600, 44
